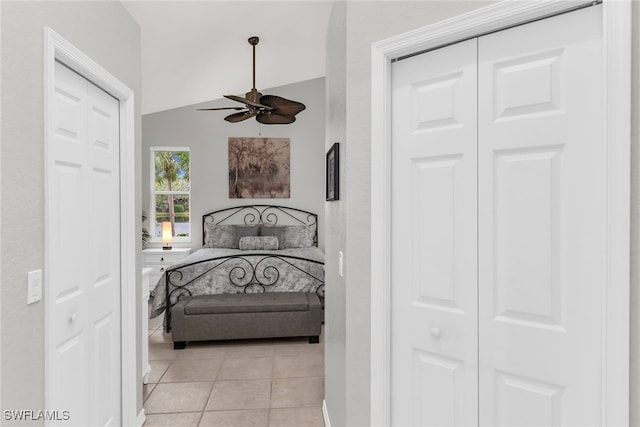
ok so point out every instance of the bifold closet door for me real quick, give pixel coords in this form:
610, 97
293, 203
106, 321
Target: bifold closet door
498, 223
434, 347
84, 206
542, 208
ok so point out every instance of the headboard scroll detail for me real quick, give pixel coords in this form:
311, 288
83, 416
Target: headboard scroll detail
261, 214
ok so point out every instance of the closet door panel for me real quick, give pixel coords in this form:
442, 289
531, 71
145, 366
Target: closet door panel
541, 222
83, 204
434, 275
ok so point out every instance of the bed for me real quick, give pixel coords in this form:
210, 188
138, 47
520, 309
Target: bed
246, 249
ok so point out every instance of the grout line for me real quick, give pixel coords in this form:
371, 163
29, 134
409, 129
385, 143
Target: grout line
217, 378
204, 408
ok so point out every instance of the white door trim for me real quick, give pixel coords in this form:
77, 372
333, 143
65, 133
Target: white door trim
0, 237
57, 48
617, 87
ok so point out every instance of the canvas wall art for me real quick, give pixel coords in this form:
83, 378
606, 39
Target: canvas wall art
259, 168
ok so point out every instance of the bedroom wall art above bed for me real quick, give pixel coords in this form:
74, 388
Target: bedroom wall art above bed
259, 168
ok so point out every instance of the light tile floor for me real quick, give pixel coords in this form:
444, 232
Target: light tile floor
245, 383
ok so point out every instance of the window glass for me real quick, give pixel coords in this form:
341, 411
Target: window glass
170, 191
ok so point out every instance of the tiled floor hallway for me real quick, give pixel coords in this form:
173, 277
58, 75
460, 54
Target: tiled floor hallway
252, 383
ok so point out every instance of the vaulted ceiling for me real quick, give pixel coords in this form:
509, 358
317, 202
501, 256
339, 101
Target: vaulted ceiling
196, 51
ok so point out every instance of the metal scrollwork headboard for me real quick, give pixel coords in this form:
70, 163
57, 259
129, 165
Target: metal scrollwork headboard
261, 214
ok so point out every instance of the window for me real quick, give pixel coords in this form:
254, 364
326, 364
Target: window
170, 192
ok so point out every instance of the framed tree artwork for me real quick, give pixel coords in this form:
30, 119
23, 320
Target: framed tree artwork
259, 168
333, 173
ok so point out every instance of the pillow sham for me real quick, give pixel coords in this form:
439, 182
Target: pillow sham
290, 236
256, 243
227, 235
298, 236
218, 236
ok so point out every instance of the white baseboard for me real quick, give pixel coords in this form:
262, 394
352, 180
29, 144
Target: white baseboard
141, 419
325, 414
145, 376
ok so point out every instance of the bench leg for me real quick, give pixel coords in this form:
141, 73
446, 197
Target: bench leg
314, 339
179, 345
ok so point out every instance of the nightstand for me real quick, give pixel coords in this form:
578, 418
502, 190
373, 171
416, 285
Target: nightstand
159, 260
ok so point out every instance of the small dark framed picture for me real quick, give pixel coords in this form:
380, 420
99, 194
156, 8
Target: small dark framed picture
333, 173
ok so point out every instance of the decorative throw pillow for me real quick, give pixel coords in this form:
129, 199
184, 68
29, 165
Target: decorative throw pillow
256, 243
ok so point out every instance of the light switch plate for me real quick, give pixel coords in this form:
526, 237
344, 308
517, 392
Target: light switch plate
34, 286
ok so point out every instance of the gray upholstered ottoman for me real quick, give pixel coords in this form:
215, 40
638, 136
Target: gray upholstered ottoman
238, 316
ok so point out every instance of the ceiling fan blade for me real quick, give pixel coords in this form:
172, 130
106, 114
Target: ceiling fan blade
275, 119
222, 108
247, 102
282, 106
238, 117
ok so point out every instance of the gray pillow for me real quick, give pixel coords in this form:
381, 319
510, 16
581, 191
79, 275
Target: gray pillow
297, 236
255, 243
290, 236
218, 236
275, 231
227, 236
244, 231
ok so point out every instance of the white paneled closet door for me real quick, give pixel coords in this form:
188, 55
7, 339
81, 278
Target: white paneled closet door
84, 220
542, 206
434, 346
498, 229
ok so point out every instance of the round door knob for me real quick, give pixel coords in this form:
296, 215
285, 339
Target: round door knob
73, 317
435, 332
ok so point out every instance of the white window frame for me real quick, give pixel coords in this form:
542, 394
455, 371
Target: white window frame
153, 192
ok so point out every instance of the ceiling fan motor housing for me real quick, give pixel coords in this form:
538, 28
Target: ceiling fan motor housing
253, 95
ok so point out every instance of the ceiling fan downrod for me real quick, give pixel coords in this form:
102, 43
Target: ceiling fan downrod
254, 95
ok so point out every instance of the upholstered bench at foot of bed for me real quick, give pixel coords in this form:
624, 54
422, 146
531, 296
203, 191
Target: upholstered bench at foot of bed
240, 316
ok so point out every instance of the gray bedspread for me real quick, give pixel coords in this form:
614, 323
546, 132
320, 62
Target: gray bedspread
216, 271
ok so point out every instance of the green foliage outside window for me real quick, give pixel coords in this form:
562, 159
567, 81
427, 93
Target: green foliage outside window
171, 190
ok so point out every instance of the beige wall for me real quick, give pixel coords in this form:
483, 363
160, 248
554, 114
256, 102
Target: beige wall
109, 35
366, 23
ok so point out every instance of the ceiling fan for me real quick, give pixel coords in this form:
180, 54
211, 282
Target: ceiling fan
267, 109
